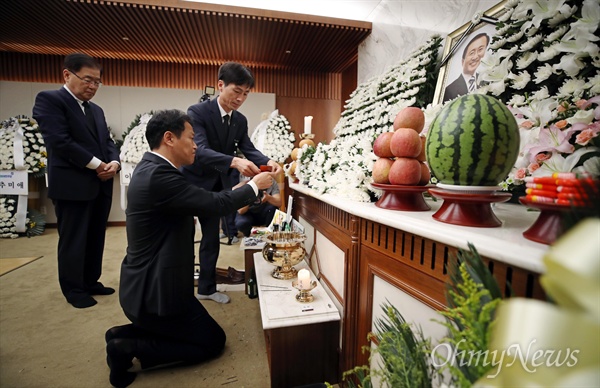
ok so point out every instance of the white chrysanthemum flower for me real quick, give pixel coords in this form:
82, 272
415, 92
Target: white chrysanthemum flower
559, 32
526, 59
594, 84
548, 53
515, 37
541, 94
531, 43
543, 73
571, 87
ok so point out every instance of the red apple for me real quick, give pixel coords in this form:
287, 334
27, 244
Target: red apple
425, 174
381, 170
422, 156
406, 143
405, 171
411, 117
381, 146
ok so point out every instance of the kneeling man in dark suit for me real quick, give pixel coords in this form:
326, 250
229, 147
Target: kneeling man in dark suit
156, 290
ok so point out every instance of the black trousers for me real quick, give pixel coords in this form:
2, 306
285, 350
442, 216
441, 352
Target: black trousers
192, 336
81, 235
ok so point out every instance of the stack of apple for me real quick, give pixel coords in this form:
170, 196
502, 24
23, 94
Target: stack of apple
402, 152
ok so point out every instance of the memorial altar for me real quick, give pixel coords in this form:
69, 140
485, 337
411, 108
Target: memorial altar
365, 255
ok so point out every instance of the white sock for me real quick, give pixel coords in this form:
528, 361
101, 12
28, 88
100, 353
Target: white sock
217, 297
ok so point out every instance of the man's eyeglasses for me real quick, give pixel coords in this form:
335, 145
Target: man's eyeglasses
87, 81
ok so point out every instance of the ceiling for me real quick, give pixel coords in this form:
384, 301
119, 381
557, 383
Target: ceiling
180, 31
345, 9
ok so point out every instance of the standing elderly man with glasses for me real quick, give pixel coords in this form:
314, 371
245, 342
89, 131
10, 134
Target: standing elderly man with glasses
82, 162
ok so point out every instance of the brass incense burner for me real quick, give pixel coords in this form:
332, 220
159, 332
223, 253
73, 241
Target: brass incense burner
284, 250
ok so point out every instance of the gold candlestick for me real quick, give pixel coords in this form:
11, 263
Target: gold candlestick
304, 296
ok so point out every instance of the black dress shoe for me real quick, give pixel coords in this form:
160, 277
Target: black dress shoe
119, 356
86, 301
99, 289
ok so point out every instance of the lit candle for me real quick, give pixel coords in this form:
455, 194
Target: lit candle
307, 124
304, 279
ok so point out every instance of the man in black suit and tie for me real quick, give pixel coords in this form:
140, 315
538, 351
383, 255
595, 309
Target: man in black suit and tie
82, 162
157, 287
219, 131
468, 80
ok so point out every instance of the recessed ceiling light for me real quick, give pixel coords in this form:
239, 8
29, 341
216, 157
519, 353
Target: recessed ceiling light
288, 51
125, 38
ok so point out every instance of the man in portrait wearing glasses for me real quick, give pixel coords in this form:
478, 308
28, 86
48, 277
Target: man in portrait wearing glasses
468, 81
82, 162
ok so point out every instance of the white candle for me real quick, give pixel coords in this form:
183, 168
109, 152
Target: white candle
307, 124
304, 279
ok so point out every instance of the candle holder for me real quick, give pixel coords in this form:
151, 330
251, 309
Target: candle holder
304, 296
307, 136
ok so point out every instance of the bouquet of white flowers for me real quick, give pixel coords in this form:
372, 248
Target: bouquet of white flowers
274, 137
25, 133
135, 143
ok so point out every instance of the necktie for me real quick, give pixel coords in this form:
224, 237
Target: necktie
89, 116
226, 121
472, 83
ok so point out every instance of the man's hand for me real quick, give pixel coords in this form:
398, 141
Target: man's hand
107, 171
263, 181
276, 167
244, 166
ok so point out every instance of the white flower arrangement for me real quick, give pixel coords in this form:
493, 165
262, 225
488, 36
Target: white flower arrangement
344, 167
8, 218
276, 140
545, 65
34, 150
135, 143
34, 222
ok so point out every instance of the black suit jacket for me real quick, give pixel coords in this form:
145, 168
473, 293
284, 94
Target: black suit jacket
156, 274
457, 88
216, 147
71, 145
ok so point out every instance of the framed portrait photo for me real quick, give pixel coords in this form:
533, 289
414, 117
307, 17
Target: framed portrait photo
463, 51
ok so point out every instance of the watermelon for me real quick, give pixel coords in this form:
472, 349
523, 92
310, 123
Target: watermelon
473, 141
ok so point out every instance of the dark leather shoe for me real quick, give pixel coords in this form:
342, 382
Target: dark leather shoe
119, 356
235, 275
85, 302
230, 276
99, 289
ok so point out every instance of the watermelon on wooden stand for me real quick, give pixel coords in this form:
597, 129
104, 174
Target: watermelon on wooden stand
474, 141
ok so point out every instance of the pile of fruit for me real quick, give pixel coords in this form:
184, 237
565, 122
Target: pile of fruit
402, 152
294, 155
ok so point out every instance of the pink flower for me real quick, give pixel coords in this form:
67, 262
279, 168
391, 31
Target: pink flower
586, 135
543, 156
527, 124
521, 173
581, 104
561, 124
533, 166
551, 139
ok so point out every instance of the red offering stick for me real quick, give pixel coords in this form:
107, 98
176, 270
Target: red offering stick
538, 198
542, 193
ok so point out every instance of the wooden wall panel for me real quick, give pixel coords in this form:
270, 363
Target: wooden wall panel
294, 84
325, 115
